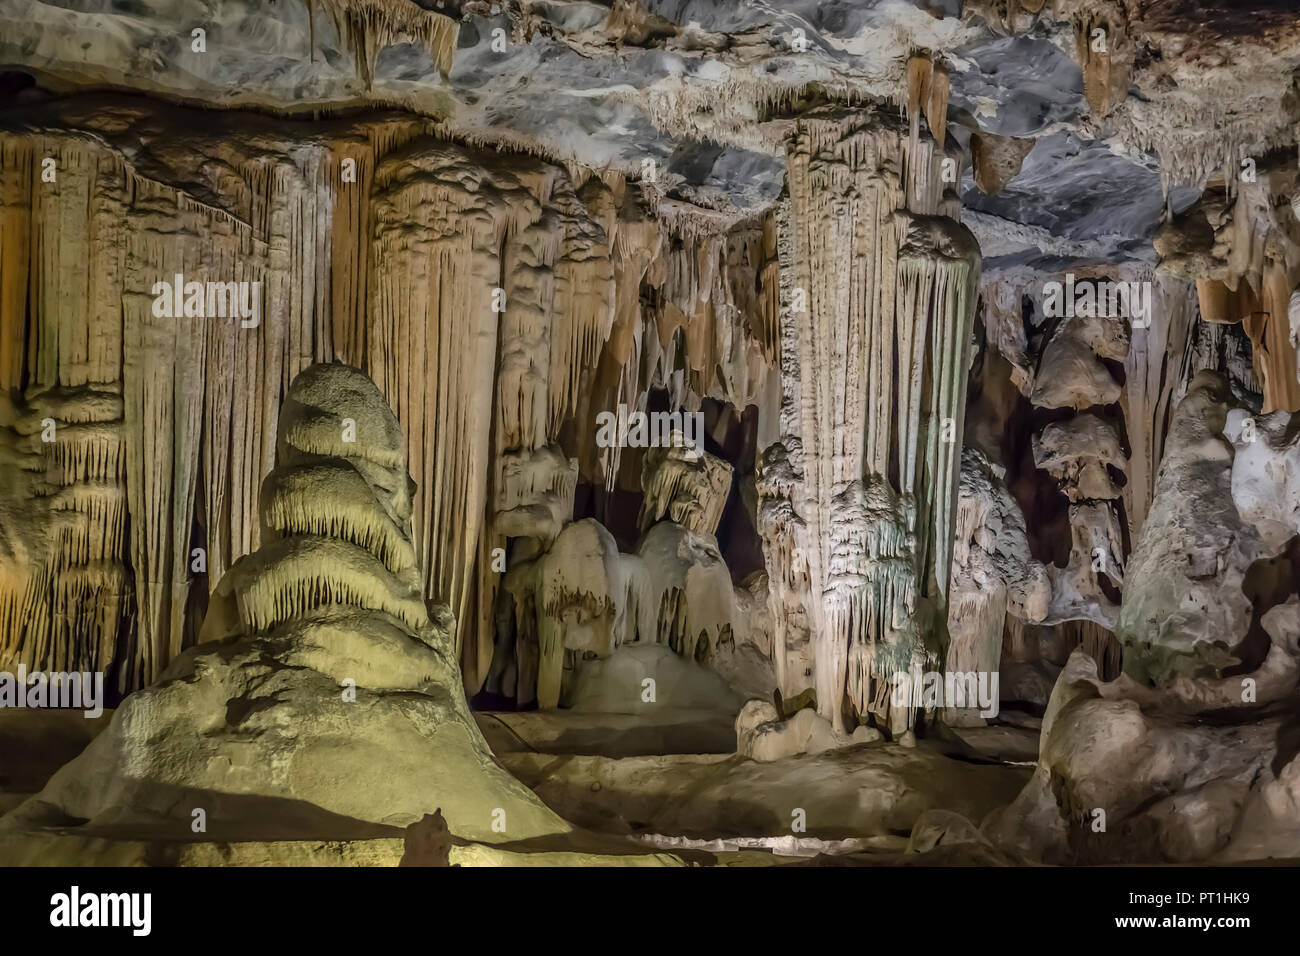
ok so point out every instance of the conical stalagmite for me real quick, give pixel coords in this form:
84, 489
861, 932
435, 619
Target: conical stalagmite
323, 693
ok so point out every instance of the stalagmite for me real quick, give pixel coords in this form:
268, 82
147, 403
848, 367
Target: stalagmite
785, 548
691, 606
1266, 475
762, 735
582, 598
1184, 609
993, 575
573, 599
321, 668
1176, 785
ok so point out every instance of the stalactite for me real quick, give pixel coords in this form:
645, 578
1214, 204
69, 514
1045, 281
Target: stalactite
374, 243
123, 225
368, 26
1105, 54
65, 590
65, 605
708, 279
432, 343
927, 91
691, 488
585, 309
1153, 372
1241, 246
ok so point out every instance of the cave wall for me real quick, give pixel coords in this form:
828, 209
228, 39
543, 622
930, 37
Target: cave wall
476, 288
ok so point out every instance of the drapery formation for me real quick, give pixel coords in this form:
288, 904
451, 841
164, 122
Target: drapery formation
482, 293
864, 480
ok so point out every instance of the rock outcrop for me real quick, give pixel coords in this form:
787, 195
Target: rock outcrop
1126, 773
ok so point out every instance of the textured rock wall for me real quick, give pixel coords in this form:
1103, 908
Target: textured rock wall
475, 289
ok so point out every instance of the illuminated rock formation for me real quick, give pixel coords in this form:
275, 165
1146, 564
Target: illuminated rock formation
883, 299
995, 160
762, 735
572, 600
65, 589
436, 269
1128, 773
1266, 475
1186, 62
320, 668
690, 488
662, 380
689, 589
582, 599
1241, 245
1184, 610
993, 574
1081, 451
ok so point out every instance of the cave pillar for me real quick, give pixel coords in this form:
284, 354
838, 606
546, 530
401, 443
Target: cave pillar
882, 300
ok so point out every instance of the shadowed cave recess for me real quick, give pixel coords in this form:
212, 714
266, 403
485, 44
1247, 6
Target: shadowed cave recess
649, 432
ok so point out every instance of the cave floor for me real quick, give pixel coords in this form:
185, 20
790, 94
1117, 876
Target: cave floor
642, 791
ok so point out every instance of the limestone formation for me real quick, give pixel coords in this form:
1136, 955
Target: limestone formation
762, 735
1185, 610
994, 575
1125, 773
757, 432
320, 668
878, 444
996, 160
691, 488
1241, 244
431, 340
